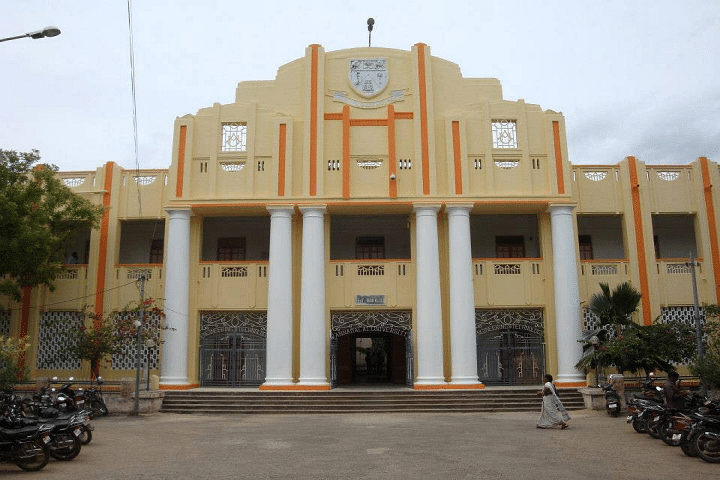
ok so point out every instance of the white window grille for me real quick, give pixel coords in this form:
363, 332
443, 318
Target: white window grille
668, 176
234, 137
371, 270
603, 270
145, 179
507, 164
232, 166
74, 181
596, 176
504, 133
507, 269
369, 163
234, 272
54, 338
137, 273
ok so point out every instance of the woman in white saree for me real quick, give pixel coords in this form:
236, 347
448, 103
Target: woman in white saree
553, 414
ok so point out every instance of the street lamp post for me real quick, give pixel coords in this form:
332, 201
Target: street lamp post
45, 32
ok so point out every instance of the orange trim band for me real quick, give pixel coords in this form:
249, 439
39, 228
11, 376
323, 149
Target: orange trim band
179, 387
640, 241
181, 162
456, 157
103, 247
392, 154
424, 134
346, 152
281, 159
313, 388
712, 225
558, 158
570, 384
450, 386
313, 119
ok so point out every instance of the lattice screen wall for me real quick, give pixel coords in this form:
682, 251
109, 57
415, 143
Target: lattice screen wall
125, 360
53, 340
5, 323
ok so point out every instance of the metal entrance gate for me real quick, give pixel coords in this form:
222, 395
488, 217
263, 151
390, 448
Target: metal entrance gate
510, 358
510, 346
232, 360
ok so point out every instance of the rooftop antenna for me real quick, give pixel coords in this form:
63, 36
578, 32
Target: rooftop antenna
370, 23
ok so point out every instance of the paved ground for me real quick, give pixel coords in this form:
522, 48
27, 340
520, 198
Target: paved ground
408, 446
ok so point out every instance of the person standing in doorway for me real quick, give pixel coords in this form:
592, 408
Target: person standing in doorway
553, 414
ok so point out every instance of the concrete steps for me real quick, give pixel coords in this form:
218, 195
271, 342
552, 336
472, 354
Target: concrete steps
360, 401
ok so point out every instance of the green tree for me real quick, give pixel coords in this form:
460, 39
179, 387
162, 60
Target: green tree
38, 215
113, 334
11, 350
659, 346
614, 308
617, 306
708, 367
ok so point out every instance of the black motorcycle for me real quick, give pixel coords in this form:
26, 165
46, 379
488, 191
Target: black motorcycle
26, 447
92, 399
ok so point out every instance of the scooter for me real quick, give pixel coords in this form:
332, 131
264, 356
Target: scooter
612, 400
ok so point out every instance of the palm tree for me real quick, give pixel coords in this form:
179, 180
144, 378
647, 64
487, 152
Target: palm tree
616, 307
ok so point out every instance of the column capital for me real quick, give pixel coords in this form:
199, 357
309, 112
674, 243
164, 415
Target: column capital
283, 210
458, 208
560, 208
179, 210
425, 208
317, 209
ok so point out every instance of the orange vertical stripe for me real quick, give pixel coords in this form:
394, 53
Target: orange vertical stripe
346, 152
102, 251
712, 225
181, 162
558, 158
392, 155
281, 159
424, 143
456, 156
313, 119
640, 241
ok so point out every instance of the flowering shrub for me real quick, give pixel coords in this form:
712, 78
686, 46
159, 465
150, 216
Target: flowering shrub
11, 351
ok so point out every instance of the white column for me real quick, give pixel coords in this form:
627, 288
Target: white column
173, 370
313, 331
429, 312
279, 313
463, 343
567, 294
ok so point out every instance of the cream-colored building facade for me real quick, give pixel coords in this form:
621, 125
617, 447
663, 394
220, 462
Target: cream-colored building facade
373, 216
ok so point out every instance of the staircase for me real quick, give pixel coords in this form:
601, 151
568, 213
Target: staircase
349, 400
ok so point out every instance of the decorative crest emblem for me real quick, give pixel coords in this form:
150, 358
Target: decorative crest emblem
368, 76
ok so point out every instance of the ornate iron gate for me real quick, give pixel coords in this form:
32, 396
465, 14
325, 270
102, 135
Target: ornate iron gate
233, 360
232, 349
510, 347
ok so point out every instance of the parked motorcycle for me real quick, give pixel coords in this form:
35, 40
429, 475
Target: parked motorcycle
703, 440
26, 447
92, 399
612, 400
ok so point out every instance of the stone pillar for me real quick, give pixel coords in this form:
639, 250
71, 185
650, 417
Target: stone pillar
313, 330
463, 342
279, 343
173, 370
429, 312
568, 324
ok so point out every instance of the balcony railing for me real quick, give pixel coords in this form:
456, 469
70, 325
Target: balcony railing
509, 281
363, 283
232, 285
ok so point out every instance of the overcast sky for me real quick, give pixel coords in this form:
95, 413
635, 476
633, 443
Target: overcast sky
632, 78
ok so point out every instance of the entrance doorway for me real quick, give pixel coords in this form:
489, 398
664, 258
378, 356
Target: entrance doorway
371, 358
370, 347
